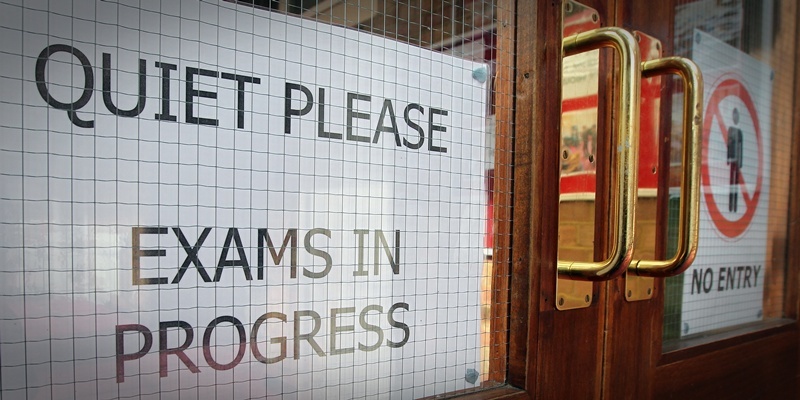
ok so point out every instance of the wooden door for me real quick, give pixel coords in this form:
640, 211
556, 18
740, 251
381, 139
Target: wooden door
616, 348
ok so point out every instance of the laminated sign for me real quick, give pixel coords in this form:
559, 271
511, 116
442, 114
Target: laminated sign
725, 285
214, 200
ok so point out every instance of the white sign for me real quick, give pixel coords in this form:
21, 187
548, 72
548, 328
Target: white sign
725, 285
212, 200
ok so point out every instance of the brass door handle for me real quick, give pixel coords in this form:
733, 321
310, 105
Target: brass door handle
688, 220
625, 143
573, 287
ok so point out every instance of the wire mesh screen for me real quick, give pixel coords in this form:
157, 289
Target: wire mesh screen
211, 199
746, 51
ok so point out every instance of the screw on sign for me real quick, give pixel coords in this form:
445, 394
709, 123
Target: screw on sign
731, 120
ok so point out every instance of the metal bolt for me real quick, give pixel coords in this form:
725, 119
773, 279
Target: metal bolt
471, 375
480, 74
561, 301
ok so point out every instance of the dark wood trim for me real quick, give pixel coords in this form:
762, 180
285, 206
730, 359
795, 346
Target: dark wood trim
792, 299
791, 308
504, 392
758, 369
530, 70
566, 342
502, 191
684, 349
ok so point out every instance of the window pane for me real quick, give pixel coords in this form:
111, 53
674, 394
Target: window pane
253, 199
746, 51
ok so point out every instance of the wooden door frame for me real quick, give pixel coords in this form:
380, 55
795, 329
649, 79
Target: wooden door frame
613, 349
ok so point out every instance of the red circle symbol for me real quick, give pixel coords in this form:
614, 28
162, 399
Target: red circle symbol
731, 228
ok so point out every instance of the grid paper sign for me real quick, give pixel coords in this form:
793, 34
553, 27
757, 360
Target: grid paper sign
205, 200
725, 285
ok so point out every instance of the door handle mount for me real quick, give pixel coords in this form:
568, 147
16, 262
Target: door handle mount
642, 271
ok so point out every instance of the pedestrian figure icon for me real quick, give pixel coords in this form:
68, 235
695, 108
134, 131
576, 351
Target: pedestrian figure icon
735, 148
735, 155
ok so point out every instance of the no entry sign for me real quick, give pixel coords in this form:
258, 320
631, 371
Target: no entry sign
724, 286
732, 130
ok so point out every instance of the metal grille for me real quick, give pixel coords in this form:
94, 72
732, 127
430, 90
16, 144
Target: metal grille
229, 200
